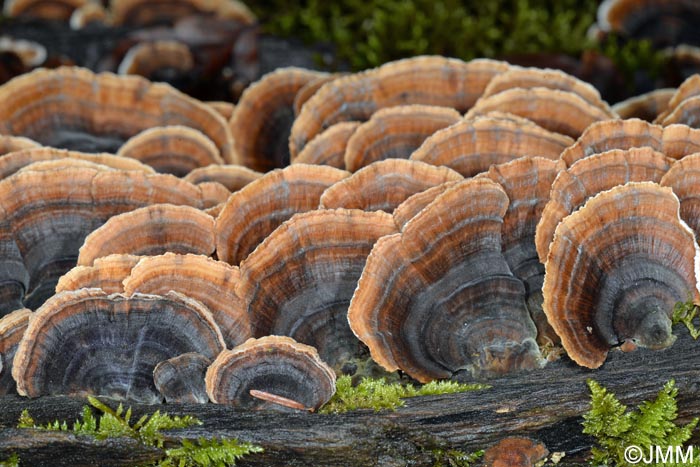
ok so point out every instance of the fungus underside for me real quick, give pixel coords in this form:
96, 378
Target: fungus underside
652, 424
378, 394
148, 431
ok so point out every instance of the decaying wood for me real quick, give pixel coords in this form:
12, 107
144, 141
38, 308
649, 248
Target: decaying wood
545, 404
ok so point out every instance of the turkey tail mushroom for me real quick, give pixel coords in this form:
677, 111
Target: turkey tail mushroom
233, 177
253, 212
263, 118
164, 60
181, 379
151, 230
211, 282
12, 327
439, 297
472, 146
647, 106
682, 177
394, 133
10, 144
56, 10
590, 176
300, 280
173, 149
383, 185
139, 13
615, 269
527, 182
428, 80
88, 342
328, 148
107, 273
274, 365
414, 204
562, 112
98, 112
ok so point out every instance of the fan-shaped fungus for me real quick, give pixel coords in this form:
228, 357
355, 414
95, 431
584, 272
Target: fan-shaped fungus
107, 273
181, 379
233, 177
274, 365
12, 327
328, 148
615, 269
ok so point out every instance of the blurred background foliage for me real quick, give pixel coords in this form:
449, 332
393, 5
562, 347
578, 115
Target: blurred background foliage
367, 33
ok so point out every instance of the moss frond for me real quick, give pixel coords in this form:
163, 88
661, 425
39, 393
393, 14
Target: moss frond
12, 461
455, 458
378, 395
208, 453
685, 313
615, 427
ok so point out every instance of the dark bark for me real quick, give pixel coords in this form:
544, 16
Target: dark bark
546, 404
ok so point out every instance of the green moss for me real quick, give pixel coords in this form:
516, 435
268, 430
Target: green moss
685, 312
455, 458
148, 430
367, 33
651, 424
13, 461
378, 394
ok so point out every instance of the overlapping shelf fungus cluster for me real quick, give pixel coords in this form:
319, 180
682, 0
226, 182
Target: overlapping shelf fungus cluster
446, 218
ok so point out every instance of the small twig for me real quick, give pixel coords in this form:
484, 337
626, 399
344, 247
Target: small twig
279, 400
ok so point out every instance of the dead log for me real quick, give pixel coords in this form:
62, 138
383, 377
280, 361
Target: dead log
546, 404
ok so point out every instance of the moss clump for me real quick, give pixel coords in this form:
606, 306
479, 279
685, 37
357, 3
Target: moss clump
615, 428
148, 430
455, 458
378, 394
13, 461
685, 312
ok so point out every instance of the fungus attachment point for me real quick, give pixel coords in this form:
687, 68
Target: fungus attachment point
271, 372
615, 269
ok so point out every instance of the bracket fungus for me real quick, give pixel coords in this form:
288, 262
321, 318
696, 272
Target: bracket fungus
300, 280
164, 60
527, 182
89, 342
328, 148
48, 214
263, 117
682, 178
213, 194
473, 145
233, 177
12, 327
106, 273
309, 89
647, 106
527, 78
211, 282
439, 297
664, 22
383, 185
615, 269
253, 212
675, 141
60, 10
10, 144
145, 13
428, 80
181, 379
225, 109
290, 372
589, 176
91, 13
562, 112
395, 132
173, 149
13, 162
100, 111
151, 230
414, 204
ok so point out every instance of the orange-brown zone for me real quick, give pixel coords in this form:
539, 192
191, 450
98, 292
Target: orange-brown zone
110, 107
472, 146
151, 230
262, 119
635, 222
107, 274
428, 80
682, 177
253, 212
277, 357
407, 210
328, 148
60, 10
395, 132
211, 282
12, 327
646, 107
233, 177
591, 175
515, 451
558, 111
385, 184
